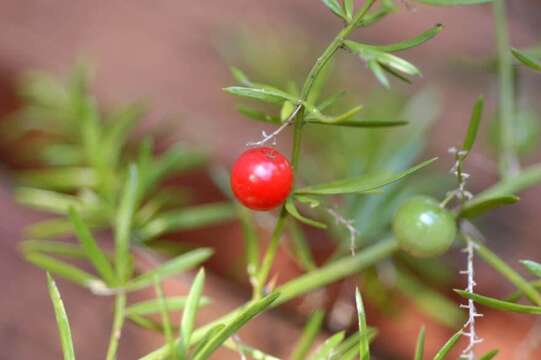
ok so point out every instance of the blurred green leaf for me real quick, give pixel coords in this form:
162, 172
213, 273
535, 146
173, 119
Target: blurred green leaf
153, 306
309, 334
364, 343
51, 201
179, 264
420, 347
123, 224
528, 177
475, 208
475, 119
448, 346
349, 8
489, 355
166, 319
359, 123
273, 96
206, 338
411, 43
301, 248
292, 210
258, 115
369, 53
58, 178
500, 304
327, 348
505, 270
386, 7
61, 320
251, 241
188, 317
532, 266
53, 247
232, 326
93, 252
454, 2
379, 73
526, 59
62, 269
335, 7
187, 219
361, 184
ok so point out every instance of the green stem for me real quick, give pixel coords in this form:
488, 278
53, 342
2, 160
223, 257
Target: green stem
118, 322
508, 163
501, 266
321, 61
270, 254
310, 281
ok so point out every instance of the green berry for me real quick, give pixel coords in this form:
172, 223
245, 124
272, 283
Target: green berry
423, 228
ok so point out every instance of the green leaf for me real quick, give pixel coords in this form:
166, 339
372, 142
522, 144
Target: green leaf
420, 347
180, 263
166, 319
187, 219
349, 8
476, 208
173, 303
475, 119
489, 355
188, 317
505, 270
61, 248
292, 210
258, 115
454, 2
326, 349
411, 43
379, 73
240, 77
93, 252
252, 310
371, 53
335, 7
62, 269
500, 304
532, 266
309, 334
386, 8
251, 240
361, 184
448, 346
301, 249
336, 119
526, 59
360, 123
206, 338
364, 342
61, 320
51, 201
273, 96
123, 224
527, 178
59, 178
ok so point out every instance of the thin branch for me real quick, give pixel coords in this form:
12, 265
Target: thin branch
272, 136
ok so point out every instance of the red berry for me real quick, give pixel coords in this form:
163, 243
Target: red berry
261, 178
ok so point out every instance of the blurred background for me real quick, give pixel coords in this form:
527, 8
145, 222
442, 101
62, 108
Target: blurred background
176, 57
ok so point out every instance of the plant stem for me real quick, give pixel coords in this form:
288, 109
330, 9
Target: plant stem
321, 61
508, 162
310, 281
118, 322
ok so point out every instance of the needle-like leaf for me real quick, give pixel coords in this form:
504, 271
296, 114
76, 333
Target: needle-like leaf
500, 304
188, 317
308, 336
61, 320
